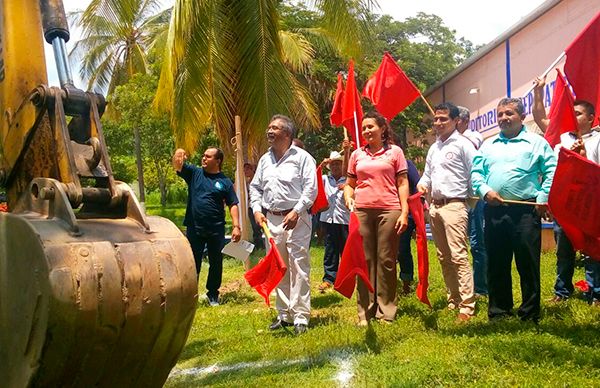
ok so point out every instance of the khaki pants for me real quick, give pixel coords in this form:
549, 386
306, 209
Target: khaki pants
380, 243
293, 292
449, 225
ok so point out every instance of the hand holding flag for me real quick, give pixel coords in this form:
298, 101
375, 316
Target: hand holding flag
562, 112
269, 271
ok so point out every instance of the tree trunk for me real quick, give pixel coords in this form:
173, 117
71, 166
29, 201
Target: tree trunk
140, 168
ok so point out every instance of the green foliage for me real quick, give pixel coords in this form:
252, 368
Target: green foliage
426, 50
117, 37
230, 345
133, 103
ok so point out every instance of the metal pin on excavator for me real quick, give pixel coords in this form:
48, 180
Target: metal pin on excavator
92, 292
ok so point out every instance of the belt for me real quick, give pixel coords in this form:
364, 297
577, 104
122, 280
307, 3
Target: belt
280, 213
445, 201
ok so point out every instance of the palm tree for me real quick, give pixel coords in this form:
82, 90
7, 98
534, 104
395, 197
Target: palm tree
227, 58
117, 36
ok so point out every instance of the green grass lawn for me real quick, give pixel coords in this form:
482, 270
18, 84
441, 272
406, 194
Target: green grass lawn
231, 346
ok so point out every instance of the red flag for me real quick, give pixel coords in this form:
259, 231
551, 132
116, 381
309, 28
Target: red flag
583, 62
390, 90
267, 274
416, 209
336, 112
321, 201
351, 109
562, 113
574, 203
353, 262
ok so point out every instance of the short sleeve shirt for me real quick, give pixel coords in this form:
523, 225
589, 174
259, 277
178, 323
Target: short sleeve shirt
207, 196
375, 175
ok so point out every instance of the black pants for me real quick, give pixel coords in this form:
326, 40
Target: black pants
213, 240
405, 257
335, 240
257, 238
513, 229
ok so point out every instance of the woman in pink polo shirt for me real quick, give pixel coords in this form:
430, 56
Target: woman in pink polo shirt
377, 190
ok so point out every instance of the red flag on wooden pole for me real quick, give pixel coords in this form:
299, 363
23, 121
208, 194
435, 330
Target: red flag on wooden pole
583, 64
573, 201
562, 112
389, 89
351, 109
336, 112
269, 271
416, 209
353, 262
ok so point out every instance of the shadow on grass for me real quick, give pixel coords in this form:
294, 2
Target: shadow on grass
428, 317
371, 341
238, 297
326, 300
196, 348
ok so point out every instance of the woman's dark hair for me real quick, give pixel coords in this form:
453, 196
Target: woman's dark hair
382, 123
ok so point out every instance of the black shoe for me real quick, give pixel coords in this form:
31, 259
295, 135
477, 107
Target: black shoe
300, 328
278, 324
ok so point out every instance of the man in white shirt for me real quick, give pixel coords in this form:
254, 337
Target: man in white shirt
447, 178
281, 194
335, 219
476, 239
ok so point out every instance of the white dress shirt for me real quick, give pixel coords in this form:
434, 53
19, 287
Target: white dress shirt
337, 213
474, 137
567, 140
290, 183
448, 168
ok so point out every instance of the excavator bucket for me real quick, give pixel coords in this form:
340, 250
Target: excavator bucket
109, 305
92, 291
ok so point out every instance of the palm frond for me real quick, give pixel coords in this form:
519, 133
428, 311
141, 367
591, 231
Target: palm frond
297, 52
345, 22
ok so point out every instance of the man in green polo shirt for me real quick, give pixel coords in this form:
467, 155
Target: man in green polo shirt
513, 165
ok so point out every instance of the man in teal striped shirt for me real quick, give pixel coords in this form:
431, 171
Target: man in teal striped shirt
513, 165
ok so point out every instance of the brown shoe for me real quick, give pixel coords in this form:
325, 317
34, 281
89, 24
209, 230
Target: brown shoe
596, 303
324, 287
406, 287
462, 317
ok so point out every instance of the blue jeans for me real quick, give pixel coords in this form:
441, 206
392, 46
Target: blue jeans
476, 240
565, 267
405, 257
335, 240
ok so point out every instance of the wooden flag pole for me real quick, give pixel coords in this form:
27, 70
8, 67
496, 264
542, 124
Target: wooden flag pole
427, 103
514, 202
266, 230
545, 73
356, 131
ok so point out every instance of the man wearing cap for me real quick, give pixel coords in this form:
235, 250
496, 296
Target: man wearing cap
335, 219
281, 194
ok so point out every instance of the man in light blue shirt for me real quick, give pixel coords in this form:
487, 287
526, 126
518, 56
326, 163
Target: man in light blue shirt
513, 165
334, 219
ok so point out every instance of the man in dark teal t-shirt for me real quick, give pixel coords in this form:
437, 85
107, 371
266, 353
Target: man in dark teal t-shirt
208, 191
